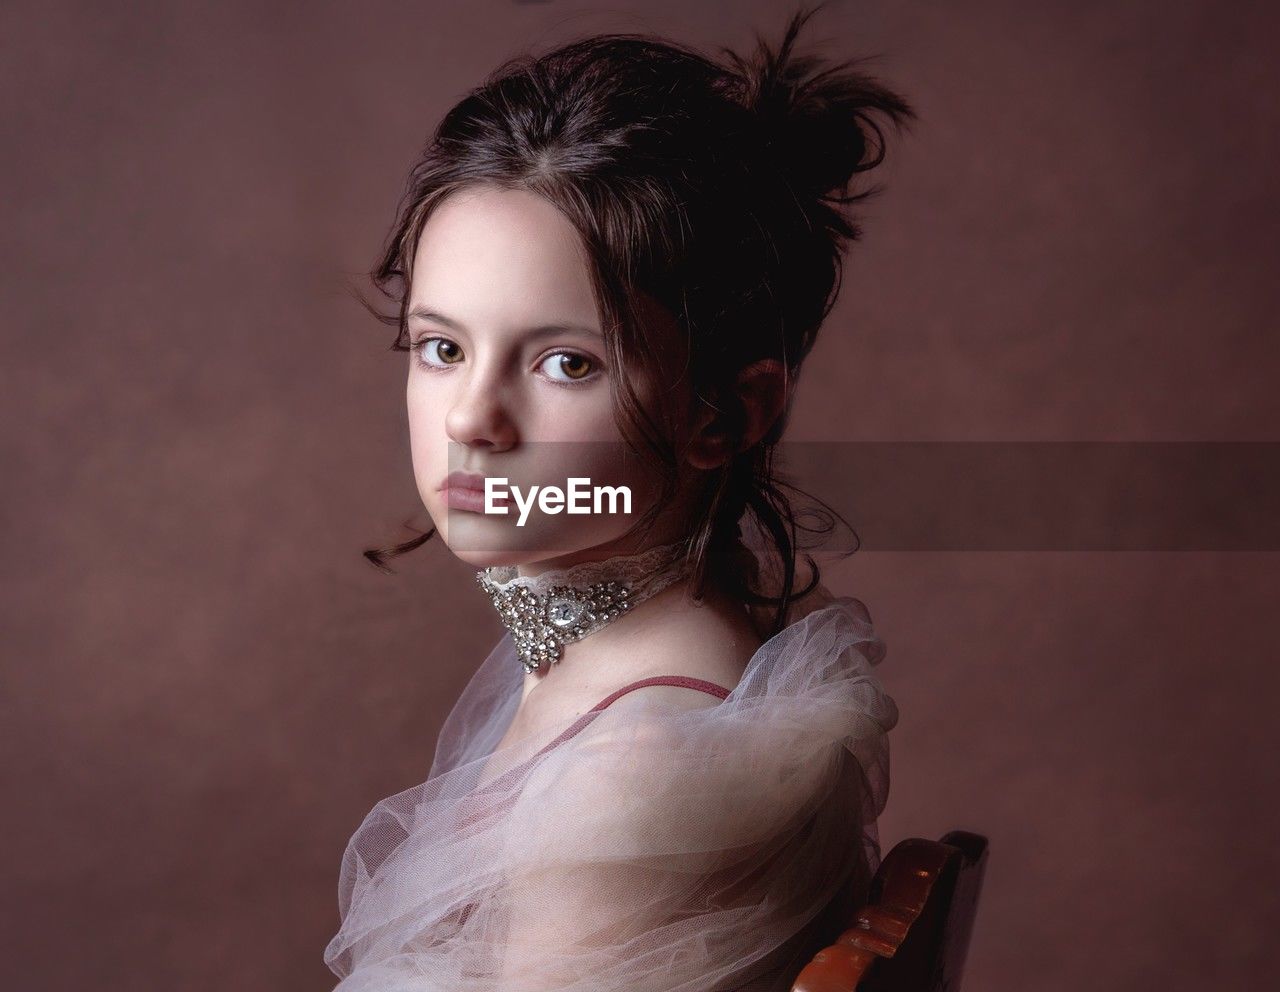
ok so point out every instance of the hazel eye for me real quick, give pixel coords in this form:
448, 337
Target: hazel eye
567, 366
438, 351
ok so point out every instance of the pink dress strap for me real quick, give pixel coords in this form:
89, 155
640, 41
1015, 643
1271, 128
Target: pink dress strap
680, 680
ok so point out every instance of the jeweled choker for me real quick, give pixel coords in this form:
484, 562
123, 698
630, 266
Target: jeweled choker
547, 611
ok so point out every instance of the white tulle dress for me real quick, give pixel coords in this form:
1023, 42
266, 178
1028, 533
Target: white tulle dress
646, 847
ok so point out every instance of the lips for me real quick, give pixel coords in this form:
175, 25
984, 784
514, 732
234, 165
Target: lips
463, 480
465, 491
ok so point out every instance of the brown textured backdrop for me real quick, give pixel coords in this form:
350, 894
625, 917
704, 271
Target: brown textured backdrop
206, 687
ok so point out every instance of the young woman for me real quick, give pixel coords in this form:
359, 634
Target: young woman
610, 264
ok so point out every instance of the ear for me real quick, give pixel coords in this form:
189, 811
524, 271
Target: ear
762, 389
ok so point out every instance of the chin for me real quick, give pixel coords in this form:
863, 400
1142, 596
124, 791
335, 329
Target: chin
481, 559
483, 542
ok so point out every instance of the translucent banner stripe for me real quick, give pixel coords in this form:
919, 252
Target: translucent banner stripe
996, 495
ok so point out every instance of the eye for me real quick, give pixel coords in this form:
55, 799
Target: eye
438, 351
567, 366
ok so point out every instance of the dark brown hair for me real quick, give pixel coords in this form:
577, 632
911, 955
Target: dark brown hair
717, 190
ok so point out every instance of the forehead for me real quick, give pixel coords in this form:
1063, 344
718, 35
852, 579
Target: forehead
488, 249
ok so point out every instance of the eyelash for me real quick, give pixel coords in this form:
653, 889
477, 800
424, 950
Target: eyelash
416, 348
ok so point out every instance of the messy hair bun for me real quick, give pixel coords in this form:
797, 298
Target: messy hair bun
721, 191
815, 118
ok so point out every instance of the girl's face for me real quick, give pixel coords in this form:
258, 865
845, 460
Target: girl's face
507, 379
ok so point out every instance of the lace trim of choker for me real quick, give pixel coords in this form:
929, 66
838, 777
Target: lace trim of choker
619, 568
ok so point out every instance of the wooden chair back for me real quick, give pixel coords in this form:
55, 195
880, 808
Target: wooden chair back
913, 933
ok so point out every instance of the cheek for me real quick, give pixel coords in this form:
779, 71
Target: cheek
428, 443
558, 415
610, 462
425, 415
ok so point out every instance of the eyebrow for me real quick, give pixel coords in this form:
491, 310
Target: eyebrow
425, 313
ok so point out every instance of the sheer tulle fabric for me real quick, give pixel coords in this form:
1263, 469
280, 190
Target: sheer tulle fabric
701, 845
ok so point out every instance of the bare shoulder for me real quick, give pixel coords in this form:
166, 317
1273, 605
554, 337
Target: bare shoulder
684, 653
713, 645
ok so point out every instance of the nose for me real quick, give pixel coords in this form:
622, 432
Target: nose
479, 418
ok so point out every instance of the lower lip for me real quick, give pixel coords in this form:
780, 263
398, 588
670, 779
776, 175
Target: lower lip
471, 500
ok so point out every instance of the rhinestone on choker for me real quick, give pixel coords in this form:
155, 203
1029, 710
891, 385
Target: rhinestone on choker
547, 611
